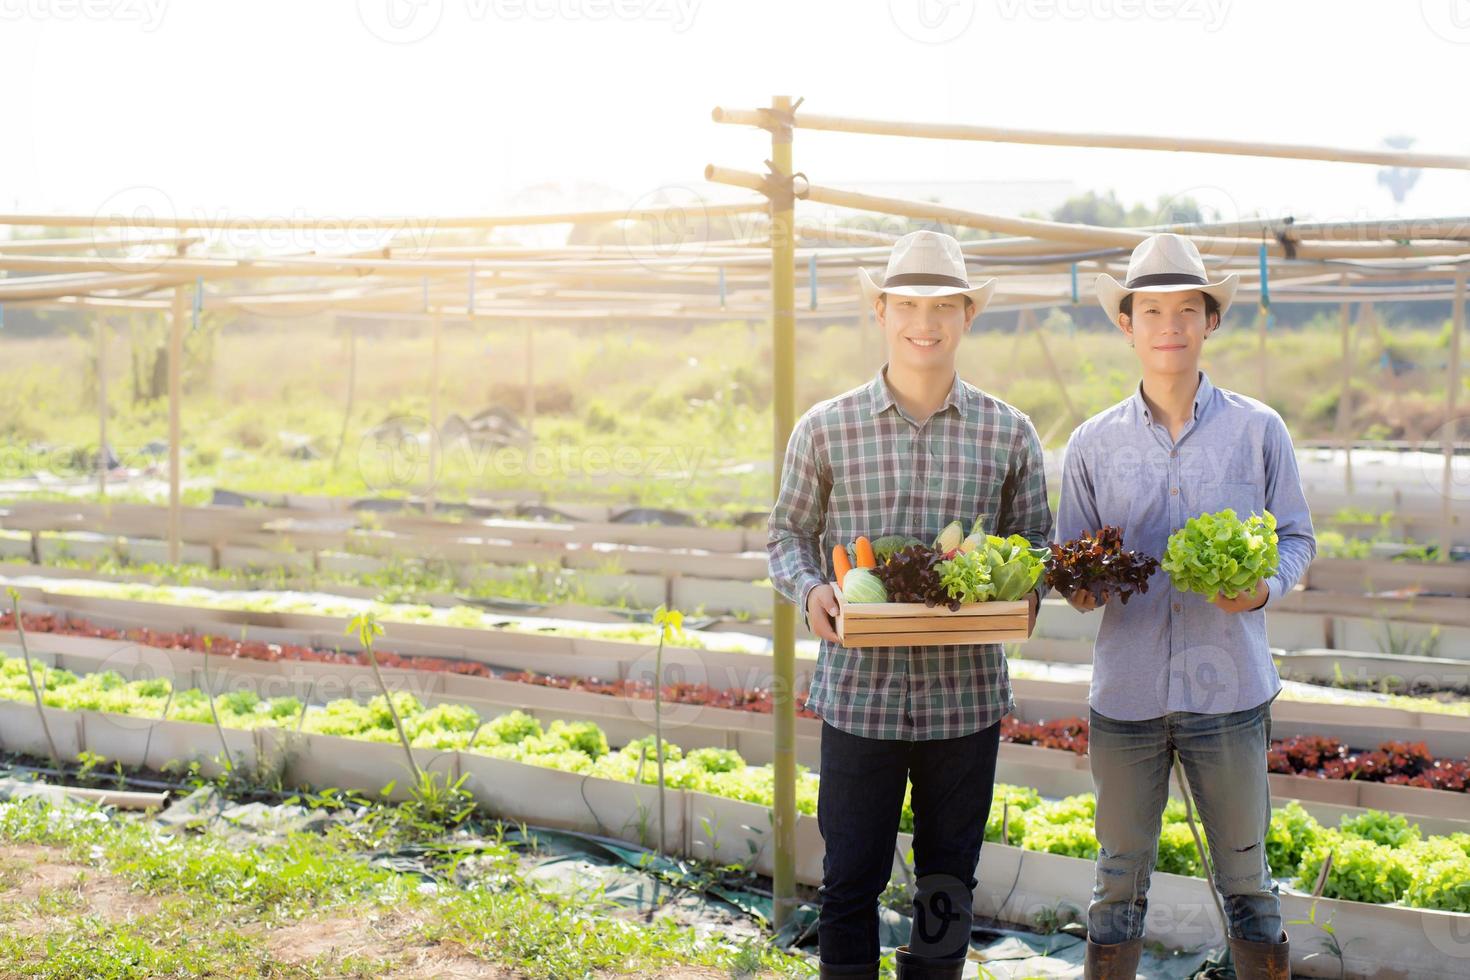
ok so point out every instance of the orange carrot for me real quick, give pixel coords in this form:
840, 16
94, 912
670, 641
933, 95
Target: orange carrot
865, 556
841, 564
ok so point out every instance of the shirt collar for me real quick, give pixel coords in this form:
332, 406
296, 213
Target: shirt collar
1202, 398
881, 396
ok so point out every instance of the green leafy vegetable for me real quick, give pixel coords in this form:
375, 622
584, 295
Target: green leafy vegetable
966, 577
1220, 554
861, 585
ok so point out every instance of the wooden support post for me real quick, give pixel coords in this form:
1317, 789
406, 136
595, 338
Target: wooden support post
1028, 317
351, 392
438, 330
1261, 317
175, 396
530, 382
1451, 428
1345, 399
101, 406
783, 330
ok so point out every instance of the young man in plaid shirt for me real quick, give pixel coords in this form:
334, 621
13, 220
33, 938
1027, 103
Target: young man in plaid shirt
906, 453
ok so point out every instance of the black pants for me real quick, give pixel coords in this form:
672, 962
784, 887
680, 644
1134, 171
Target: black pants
859, 801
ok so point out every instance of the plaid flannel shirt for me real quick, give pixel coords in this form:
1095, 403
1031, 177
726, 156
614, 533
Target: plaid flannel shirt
857, 465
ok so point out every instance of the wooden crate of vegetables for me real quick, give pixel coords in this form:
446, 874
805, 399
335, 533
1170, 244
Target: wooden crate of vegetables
960, 590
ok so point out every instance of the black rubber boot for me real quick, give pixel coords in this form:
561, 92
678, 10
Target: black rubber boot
913, 967
862, 971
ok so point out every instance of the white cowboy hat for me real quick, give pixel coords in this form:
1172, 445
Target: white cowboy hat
1164, 263
926, 263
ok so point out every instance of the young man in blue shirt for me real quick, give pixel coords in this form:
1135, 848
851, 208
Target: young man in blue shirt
1172, 671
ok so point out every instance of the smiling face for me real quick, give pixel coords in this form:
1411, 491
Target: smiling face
923, 332
1168, 330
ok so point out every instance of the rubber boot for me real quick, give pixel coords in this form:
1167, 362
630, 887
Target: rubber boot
911, 966
1261, 961
1117, 961
849, 971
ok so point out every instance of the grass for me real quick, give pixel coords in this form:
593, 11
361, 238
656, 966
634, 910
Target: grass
206, 906
656, 416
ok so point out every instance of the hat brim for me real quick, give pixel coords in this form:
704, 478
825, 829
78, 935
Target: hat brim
1110, 292
979, 294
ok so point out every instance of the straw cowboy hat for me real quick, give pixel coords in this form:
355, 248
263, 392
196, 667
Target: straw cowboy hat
926, 263
1164, 263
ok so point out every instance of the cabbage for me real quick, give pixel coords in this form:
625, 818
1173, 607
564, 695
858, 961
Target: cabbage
861, 585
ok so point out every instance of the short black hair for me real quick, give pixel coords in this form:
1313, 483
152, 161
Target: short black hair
1212, 305
883, 298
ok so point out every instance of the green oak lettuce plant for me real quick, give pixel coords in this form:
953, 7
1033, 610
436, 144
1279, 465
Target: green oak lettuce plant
1376, 857
1220, 554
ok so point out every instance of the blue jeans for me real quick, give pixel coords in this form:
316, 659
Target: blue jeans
1224, 759
859, 802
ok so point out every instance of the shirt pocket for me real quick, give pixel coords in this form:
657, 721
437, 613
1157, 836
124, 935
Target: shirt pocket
963, 481
864, 487
1243, 498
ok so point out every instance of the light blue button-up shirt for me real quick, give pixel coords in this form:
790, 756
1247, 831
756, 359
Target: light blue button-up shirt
1166, 650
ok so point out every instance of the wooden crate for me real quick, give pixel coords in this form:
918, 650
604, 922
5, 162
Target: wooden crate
893, 624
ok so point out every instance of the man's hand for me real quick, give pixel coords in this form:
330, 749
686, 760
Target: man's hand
1084, 601
821, 612
1246, 601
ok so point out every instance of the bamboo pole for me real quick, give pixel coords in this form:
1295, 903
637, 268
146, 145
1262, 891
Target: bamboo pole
425, 223
88, 244
1117, 141
783, 349
175, 396
1090, 235
1451, 426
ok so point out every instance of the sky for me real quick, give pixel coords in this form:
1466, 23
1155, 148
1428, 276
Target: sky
342, 108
